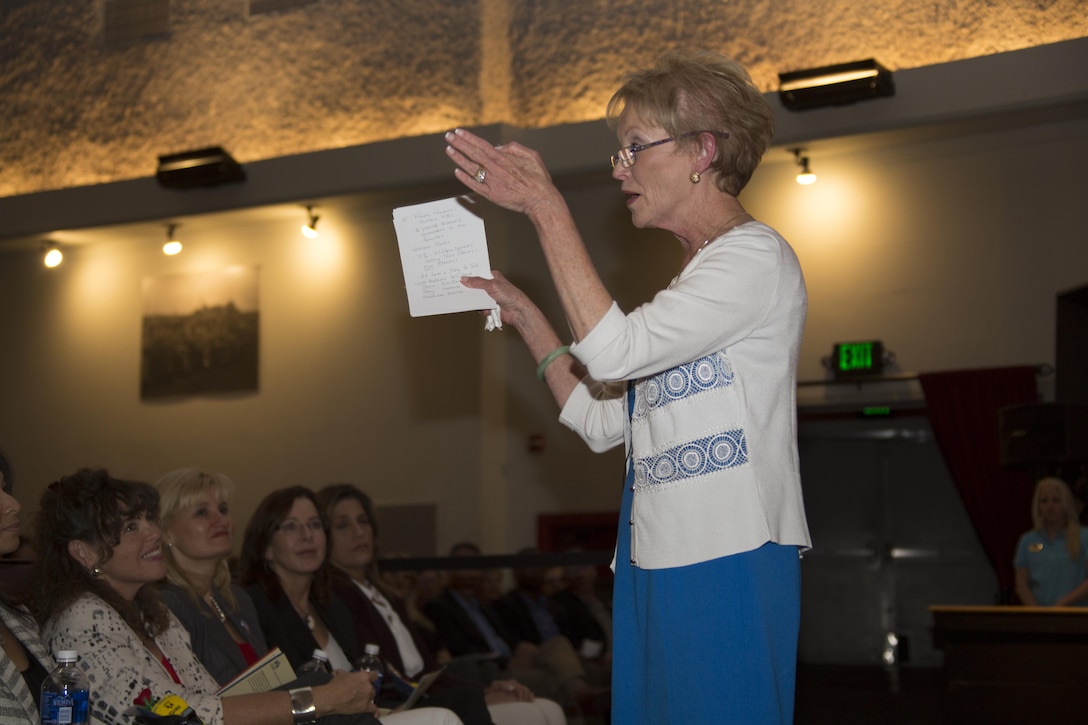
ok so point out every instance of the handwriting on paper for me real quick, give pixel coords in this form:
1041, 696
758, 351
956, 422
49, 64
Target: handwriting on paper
440, 242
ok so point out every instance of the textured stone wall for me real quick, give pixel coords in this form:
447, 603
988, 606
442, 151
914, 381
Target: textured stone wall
76, 110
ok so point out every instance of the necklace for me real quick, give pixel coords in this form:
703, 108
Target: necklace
728, 225
307, 617
210, 599
379, 601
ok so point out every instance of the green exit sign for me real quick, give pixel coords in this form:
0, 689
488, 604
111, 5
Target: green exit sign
850, 359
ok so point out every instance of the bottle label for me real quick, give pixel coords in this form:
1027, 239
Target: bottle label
64, 708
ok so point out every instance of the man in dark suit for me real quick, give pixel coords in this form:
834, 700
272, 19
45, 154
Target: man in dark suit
535, 611
470, 628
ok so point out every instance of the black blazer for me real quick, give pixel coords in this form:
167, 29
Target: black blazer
464, 697
371, 627
513, 611
284, 628
576, 620
457, 630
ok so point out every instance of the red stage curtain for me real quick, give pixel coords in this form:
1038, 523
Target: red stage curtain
963, 410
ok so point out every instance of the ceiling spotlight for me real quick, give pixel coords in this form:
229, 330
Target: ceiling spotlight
309, 229
53, 256
172, 246
805, 175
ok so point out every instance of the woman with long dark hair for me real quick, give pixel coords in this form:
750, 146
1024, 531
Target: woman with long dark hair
283, 567
381, 617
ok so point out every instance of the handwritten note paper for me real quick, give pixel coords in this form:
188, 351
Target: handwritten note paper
440, 242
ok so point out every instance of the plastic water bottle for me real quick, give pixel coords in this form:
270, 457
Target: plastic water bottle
318, 662
371, 662
66, 693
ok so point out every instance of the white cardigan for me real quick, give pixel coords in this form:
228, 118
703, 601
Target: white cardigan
713, 438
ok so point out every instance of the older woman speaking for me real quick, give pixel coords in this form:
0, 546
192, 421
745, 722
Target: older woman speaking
700, 383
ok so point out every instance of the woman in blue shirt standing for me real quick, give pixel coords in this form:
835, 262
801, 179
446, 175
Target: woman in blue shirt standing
1052, 559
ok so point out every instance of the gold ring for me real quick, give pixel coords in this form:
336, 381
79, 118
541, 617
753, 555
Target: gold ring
481, 174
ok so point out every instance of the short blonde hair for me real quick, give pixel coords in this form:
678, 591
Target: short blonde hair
180, 489
699, 90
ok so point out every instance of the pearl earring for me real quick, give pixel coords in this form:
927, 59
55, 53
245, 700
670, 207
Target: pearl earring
694, 177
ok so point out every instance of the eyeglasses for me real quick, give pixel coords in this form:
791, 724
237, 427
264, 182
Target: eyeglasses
291, 527
626, 155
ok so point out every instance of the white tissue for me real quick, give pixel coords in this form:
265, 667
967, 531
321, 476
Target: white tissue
494, 320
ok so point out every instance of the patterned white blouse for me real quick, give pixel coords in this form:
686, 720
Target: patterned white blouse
119, 667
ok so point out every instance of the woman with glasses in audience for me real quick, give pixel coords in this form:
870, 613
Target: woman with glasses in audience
24, 663
101, 559
283, 568
699, 384
381, 617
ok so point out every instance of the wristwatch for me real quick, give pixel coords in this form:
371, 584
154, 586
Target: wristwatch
303, 709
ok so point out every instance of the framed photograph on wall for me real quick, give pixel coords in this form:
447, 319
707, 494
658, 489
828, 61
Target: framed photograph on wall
200, 333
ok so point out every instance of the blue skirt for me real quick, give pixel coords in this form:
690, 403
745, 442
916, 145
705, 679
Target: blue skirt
714, 642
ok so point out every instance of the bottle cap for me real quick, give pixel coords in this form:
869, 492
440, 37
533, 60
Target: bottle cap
319, 654
372, 649
67, 655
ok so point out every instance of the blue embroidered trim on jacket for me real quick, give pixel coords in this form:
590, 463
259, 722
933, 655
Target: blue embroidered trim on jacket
696, 458
706, 373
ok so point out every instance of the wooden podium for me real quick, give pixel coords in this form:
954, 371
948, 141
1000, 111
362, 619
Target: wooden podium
1014, 664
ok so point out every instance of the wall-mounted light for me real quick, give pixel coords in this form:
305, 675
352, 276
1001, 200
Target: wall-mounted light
805, 175
834, 85
309, 229
53, 256
172, 246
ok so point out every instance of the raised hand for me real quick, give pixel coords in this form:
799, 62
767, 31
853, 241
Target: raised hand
511, 175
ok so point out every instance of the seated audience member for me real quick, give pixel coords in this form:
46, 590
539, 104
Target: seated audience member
525, 610
401, 582
198, 531
471, 628
527, 615
415, 589
24, 663
582, 615
283, 566
380, 615
1051, 559
428, 585
101, 557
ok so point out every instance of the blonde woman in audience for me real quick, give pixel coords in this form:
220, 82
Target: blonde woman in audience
198, 530
24, 663
1051, 560
101, 557
381, 617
